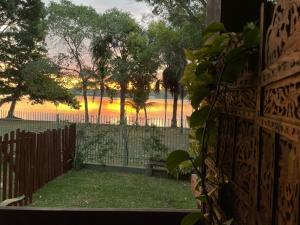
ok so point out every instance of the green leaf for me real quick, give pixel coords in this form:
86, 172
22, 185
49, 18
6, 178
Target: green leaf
203, 67
176, 158
212, 135
217, 44
199, 117
206, 78
189, 55
189, 72
197, 161
234, 64
198, 95
192, 218
228, 222
199, 133
214, 28
251, 37
212, 131
202, 198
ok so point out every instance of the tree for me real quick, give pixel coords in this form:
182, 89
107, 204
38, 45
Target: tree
132, 56
115, 29
140, 96
75, 26
22, 56
138, 104
101, 55
179, 12
170, 44
144, 70
182, 28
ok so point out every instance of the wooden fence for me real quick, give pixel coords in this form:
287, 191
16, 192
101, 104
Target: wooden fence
29, 160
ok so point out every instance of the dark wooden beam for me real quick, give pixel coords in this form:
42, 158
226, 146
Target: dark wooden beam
51, 216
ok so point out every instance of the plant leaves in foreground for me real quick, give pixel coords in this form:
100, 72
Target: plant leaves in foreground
192, 218
176, 158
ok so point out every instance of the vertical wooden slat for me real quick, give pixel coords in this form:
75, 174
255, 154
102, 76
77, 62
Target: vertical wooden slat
39, 161
60, 151
57, 148
48, 156
26, 168
17, 164
5, 164
10, 164
22, 165
31, 168
1, 164
35, 163
44, 160
67, 148
52, 155
63, 150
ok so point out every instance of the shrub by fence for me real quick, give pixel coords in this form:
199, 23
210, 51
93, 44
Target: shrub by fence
30, 160
127, 145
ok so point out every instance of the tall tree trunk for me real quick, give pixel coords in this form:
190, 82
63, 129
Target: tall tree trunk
10, 114
146, 116
166, 105
86, 107
137, 116
182, 101
100, 103
174, 116
122, 103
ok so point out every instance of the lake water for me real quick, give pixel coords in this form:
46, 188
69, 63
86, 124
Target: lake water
109, 114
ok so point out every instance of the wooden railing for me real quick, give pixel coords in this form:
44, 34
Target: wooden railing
28, 160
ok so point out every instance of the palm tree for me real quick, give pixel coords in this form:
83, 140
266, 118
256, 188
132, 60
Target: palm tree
159, 83
140, 102
171, 82
101, 54
137, 107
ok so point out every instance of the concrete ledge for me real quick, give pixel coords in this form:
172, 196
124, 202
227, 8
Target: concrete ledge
122, 169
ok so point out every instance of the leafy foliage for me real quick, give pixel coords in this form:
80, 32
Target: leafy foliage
131, 56
180, 12
176, 158
192, 218
153, 144
218, 63
101, 140
75, 26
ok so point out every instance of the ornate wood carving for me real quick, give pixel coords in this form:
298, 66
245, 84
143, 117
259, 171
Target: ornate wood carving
261, 137
226, 145
241, 210
239, 101
287, 130
282, 100
245, 154
282, 42
266, 182
287, 210
242, 98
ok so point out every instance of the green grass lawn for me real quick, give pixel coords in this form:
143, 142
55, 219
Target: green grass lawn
95, 189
